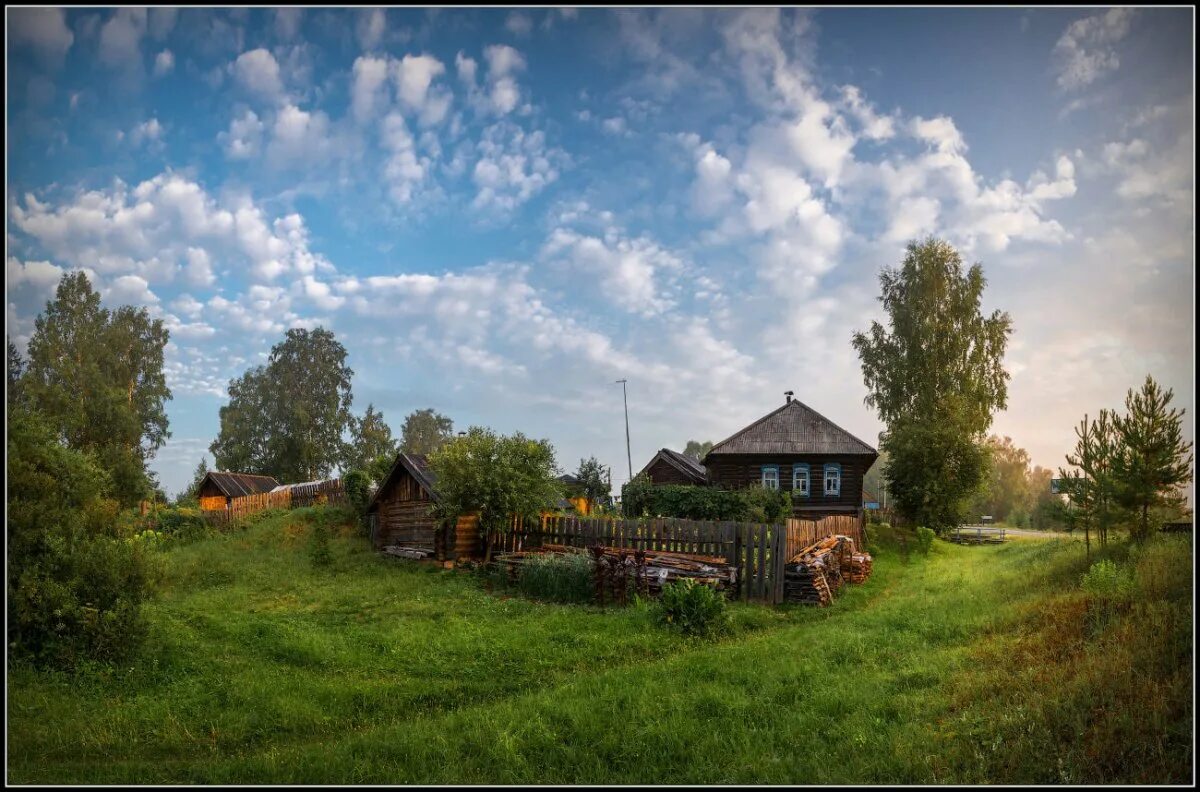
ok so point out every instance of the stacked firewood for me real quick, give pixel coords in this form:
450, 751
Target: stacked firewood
657, 567
816, 572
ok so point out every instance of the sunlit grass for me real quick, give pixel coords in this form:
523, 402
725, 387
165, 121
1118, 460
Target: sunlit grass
262, 668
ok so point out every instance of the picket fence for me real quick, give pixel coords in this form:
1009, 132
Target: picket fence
758, 551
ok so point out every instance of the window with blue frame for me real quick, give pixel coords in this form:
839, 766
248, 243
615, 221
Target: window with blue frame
833, 479
770, 477
800, 484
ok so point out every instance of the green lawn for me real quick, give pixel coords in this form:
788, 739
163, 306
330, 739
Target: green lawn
974, 664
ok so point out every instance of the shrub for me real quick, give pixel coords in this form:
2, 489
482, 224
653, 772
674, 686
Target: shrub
925, 540
639, 498
181, 523
75, 587
557, 578
1108, 582
693, 608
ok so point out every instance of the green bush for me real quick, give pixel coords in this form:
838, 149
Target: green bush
925, 540
557, 578
181, 523
693, 608
640, 498
76, 583
1108, 582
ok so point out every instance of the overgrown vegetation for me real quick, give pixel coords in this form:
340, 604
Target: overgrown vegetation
924, 540
979, 664
557, 578
640, 498
76, 582
693, 608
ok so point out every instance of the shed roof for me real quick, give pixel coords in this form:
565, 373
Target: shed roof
417, 466
235, 485
795, 428
684, 464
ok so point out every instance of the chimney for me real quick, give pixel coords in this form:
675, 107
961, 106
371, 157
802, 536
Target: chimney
789, 395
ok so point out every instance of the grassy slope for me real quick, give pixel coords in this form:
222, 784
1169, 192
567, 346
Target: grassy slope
263, 669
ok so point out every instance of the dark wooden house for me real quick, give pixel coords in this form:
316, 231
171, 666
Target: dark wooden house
401, 510
796, 449
671, 467
217, 489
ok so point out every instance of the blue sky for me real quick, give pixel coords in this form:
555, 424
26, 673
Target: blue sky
501, 212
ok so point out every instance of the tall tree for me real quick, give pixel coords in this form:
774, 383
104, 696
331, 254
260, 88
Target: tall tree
425, 431
936, 376
1080, 483
696, 450
495, 476
97, 378
1005, 489
370, 438
1152, 459
193, 489
287, 419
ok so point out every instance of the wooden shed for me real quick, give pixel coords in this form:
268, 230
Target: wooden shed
672, 467
795, 448
402, 514
218, 488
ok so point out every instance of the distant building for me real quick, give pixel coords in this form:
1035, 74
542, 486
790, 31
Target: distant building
218, 488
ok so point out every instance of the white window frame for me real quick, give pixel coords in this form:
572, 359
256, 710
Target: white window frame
836, 490
801, 474
770, 482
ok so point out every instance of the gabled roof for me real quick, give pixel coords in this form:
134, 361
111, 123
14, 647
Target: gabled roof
417, 467
235, 485
684, 464
302, 485
795, 428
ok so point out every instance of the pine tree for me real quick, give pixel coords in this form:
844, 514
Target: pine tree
1153, 459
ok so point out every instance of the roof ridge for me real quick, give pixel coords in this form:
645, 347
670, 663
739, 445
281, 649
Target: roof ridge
717, 448
748, 427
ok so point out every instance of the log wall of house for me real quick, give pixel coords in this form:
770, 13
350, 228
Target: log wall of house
663, 472
404, 518
736, 471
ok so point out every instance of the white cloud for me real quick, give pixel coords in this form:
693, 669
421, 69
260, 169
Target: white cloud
369, 88
164, 63
188, 305
503, 91
43, 29
513, 166
404, 170
299, 137
257, 71
146, 132
40, 275
1087, 48
244, 137
155, 230
413, 76
627, 270
129, 290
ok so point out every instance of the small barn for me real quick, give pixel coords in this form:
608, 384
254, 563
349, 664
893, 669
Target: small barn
401, 511
672, 467
218, 488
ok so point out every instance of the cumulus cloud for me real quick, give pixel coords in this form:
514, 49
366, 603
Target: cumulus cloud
513, 166
1087, 48
39, 275
162, 226
370, 27
413, 75
299, 137
257, 72
244, 136
503, 64
368, 91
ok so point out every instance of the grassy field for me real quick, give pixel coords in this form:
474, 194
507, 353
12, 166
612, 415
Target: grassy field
975, 664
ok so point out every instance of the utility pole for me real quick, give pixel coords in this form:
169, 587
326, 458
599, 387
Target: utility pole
628, 455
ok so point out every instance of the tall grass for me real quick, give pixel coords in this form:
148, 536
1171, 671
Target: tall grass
970, 664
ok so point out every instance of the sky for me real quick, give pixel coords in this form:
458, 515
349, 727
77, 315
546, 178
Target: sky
502, 212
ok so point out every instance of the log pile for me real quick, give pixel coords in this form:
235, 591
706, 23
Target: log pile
816, 572
660, 567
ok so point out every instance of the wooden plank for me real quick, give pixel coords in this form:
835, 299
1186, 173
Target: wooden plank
762, 562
